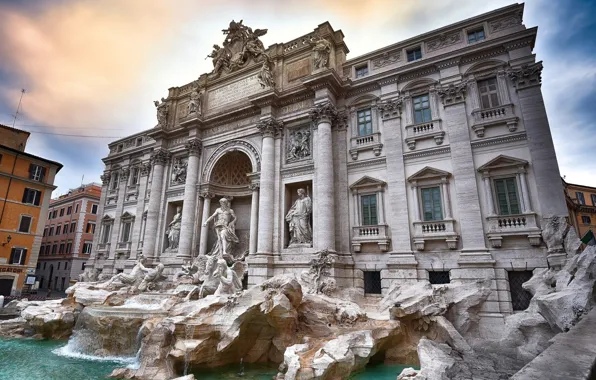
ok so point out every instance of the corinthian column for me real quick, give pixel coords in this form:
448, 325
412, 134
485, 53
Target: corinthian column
205, 229
323, 115
268, 127
159, 159
254, 218
190, 198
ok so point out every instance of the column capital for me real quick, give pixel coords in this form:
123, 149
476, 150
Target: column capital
270, 127
207, 195
125, 171
526, 75
160, 156
105, 178
390, 108
145, 168
453, 93
194, 147
254, 186
323, 112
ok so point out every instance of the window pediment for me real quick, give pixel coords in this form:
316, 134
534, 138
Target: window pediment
127, 216
428, 173
107, 219
367, 182
502, 162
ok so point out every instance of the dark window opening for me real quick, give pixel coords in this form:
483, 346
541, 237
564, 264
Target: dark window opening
372, 282
439, 277
520, 297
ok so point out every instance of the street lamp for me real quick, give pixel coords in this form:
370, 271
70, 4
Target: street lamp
8, 239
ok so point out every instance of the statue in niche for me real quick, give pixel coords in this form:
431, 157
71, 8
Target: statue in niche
173, 230
179, 171
162, 112
299, 220
299, 145
322, 49
225, 229
265, 76
194, 105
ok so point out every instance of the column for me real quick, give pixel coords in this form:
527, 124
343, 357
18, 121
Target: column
115, 236
105, 181
268, 127
409, 110
137, 235
190, 199
381, 207
205, 229
416, 202
446, 200
159, 159
488, 194
323, 115
524, 191
434, 102
474, 98
254, 219
502, 87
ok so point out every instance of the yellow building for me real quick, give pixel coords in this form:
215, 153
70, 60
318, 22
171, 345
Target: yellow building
581, 202
26, 184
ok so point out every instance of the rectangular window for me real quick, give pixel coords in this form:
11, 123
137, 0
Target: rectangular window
31, 196
586, 219
90, 228
489, 96
62, 211
68, 248
475, 35
506, 190
76, 208
51, 233
58, 229
50, 215
369, 209
73, 226
422, 112
372, 282
115, 181
54, 249
36, 172
25, 224
139, 141
69, 210
134, 176
41, 251
593, 199
125, 232
48, 247
414, 54
361, 71
18, 256
54, 213
364, 122
45, 231
438, 277
106, 234
94, 209
66, 265
431, 203
580, 197
61, 249
520, 297
87, 248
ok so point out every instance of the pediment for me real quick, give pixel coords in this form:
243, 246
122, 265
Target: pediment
107, 218
427, 173
127, 215
502, 161
367, 181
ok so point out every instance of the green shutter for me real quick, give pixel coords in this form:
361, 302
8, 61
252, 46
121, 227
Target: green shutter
369, 210
507, 198
431, 204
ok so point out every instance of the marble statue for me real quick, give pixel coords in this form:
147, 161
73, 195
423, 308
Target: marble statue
194, 105
299, 145
134, 278
173, 230
265, 76
162, 112
89, 275
220, 58
322, 49
230, 282
225, 229
299, 220
179, 171
151, 278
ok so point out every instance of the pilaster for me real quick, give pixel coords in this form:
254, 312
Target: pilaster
193, 147
159, 159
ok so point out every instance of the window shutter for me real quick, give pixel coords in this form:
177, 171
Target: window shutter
23, 256
12, 254
37, 197
43, 174
512, 195
25, 195
437, 211
31, 171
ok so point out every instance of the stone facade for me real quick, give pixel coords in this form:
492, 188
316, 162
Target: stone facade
430, 155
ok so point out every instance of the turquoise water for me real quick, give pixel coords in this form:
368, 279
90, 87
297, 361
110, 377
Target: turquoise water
380, 372
28, 359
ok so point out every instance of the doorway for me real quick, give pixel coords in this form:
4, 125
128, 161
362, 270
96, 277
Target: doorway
5, 286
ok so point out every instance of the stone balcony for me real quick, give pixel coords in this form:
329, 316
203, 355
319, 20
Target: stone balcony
501, 226
435, 230
377, 234
360, 143
429, 130
488, 117
103, 249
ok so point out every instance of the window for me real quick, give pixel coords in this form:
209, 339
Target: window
68, 248
36, 172
438, 277
105, 238
48, 247
45, 231
115, 178
58, 229
586, 219
76, 208
369, 209
414, 54
120, 147
66, 264
431, 204
580, 197
41, 251
361, 71
18, 256
372, 282
61, 249
83, 265
54, 249
25, 224
422, 112
69, 210
31, 196
507, 200
59, 265
94, 209
87, 247
90, 228
475, 35
364, 122
44, 266
126, 227
489, 96
593, 199
54, 213
51, 233
134, 176
62, 211
73, 226
139, 141
50, 215
520, 297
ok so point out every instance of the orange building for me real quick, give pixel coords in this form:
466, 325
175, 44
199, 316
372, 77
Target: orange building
26, 184
581, 202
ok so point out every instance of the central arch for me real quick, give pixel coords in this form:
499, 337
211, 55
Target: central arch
232, 146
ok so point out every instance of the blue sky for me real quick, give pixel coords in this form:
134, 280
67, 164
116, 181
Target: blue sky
93, 67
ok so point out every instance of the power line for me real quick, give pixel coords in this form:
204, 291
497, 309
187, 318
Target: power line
77, 129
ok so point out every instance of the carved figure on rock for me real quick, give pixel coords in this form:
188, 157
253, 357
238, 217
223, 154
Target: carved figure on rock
225, 229
299, 145
134, 278
321, 49
162, 113
194, 105
173, 230
179, 171
195, 271
230, 278
152, 277
89, 275
317, 279
299, 220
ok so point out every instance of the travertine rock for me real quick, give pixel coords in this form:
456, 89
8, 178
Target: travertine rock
554, 230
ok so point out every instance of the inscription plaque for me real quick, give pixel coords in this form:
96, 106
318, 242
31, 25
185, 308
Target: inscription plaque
234, 91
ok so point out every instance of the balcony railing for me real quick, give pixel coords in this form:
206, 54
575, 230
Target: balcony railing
492, 116
500, 226
371, 141
432, 129
370, 234
435, 230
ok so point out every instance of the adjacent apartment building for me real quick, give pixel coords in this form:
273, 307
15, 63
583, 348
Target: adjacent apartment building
581, 202
26, 184
67, 237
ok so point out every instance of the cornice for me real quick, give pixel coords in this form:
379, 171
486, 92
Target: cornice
296, 171
325, 79
499, 140
427, 152
367, 163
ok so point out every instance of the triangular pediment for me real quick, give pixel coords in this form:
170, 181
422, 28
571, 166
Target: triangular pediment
502, 161
427, 173
107, 218
367, 181
127, 215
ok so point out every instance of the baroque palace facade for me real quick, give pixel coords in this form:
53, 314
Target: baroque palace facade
430, 158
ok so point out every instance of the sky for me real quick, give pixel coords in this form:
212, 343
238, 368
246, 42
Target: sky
93, 67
